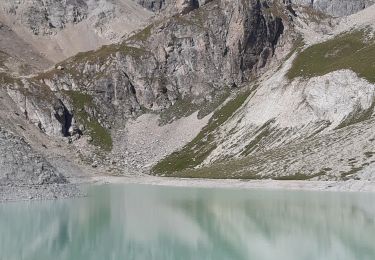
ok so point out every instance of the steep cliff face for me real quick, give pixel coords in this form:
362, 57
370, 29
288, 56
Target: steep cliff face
39, 105
189, 56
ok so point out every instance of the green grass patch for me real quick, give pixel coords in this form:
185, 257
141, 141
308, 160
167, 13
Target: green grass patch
98, 57
197, 17
142, 35
182, 20
276, 9
185, 107
347, 51
314, 15
260, 134
35, 89
357, 116
106, 51
247, 168
182, 108
229, 170
81, 103
6, 79
369, 154
349, 174
3, 58
195, 152
299, 176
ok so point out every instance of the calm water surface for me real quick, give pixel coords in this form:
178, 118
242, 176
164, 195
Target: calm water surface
153, 222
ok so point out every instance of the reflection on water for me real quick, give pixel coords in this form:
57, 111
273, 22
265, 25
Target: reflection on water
151, 222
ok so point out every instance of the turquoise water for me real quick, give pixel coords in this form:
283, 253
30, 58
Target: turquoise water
153, 222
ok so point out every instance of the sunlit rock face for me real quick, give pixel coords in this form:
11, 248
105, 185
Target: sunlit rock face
21, 165
48, 17
60, 29
336, 7
185, 56
331, 7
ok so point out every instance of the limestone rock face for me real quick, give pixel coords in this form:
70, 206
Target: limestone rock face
41, 107
42, 17
205, 49
19, 164
336, 7
60, 29
153, 5
331, 7
185, 6
194, 54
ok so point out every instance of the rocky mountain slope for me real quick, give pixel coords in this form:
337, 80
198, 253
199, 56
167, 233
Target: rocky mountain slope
298, 116
32, 165
57, 30
336, 8
176, 61
243, 89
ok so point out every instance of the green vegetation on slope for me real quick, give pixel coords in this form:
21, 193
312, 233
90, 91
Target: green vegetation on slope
259, 135
142, 35
276, 9
352, 51
357, 116
107, 50
7, 79
314, 15
3, 58
185, 107
97, 57
195, 152
81, 103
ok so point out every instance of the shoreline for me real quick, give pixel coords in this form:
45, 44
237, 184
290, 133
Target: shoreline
22, 193
76, 187
335, 186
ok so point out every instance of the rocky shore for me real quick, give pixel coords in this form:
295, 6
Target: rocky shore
333, 186
27, 175
11, 193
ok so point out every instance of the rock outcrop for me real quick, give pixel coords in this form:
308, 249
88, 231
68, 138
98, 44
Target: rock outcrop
189, 56
60, 29
39, 105
336, 8
44, 17
20, 165
153, 5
